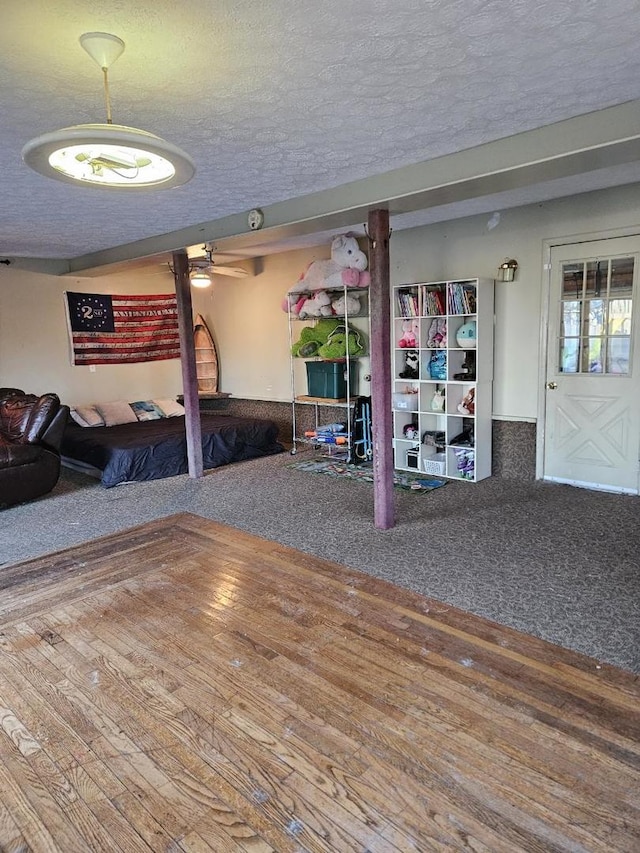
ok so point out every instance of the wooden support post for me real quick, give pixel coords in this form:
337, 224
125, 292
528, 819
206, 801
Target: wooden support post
188, 361
382, 427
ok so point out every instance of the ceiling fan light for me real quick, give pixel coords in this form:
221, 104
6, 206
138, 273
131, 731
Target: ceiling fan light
110, 156
199, 278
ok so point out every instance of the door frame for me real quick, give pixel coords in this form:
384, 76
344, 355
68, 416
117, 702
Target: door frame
545, 306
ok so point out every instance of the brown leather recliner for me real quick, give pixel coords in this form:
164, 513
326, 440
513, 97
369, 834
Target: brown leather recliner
31, 430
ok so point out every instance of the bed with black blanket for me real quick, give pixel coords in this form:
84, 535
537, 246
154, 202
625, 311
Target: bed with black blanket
150, 450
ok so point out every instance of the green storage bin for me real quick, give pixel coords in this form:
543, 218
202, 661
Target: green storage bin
329, 379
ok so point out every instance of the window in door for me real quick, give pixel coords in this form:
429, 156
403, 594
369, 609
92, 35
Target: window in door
595, 327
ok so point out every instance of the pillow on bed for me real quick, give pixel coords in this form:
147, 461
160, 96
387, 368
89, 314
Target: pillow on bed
147, 410
76, 417
171, 408
116, 413
89, 414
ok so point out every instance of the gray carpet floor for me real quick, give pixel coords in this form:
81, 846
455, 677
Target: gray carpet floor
553, 561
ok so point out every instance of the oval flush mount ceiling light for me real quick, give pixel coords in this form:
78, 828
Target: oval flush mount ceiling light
108, 155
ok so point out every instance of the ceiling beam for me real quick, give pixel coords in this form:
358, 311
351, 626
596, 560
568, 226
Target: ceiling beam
598, 140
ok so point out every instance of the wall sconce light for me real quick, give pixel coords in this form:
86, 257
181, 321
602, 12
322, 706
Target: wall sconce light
507, 270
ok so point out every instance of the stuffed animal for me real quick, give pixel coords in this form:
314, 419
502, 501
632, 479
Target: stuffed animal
345, 269
468, 368
437, 337
411, 368
328, 339
347, 304
468, 404
464, 439
313, 337
466, 335
410, 334
438, 399
411, 431
342, 342
434, 439
438, 365
292, 304
318, 305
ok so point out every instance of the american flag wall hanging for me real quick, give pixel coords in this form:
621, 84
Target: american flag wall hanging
122, 329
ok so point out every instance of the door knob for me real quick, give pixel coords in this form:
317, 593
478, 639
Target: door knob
552, 386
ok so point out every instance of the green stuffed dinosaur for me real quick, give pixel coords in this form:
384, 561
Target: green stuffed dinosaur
328, 339
313, 337
342, 342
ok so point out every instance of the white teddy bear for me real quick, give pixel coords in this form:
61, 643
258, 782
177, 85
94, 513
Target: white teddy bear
346, 305
346, 268
318, 305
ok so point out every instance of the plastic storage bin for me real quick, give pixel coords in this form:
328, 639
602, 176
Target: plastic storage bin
329, 379
406, 402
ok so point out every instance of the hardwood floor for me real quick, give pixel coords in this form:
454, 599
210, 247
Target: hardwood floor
184, 686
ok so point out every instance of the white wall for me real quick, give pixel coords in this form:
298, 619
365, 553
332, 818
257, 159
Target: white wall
34, 343
251, 330
244, 316
469, 248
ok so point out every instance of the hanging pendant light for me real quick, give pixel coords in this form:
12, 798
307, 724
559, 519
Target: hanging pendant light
108, 155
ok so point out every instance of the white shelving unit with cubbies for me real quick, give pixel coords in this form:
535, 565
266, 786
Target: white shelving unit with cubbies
443, 378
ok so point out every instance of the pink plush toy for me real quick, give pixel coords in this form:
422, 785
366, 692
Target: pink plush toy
410, 334
292, 304
437, 337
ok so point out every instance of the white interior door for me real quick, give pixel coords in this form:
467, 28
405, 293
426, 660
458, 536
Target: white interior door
592, 413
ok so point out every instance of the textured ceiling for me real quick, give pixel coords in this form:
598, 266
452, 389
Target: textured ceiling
277, 100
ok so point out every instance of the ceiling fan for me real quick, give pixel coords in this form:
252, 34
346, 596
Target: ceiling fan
201, 269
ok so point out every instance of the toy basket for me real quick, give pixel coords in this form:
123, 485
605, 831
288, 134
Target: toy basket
435, 465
